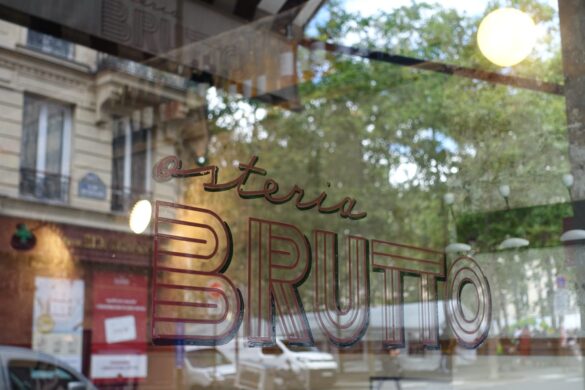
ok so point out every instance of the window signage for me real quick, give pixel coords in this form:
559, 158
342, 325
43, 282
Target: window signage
85, 243
193, 249
170, 167
100, 245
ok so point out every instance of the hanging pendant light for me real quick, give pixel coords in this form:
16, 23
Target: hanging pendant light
506, 36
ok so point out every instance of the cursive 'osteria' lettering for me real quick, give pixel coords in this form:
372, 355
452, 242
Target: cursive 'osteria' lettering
170, 167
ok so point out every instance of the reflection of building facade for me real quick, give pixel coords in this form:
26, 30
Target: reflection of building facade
80, 131
87, 146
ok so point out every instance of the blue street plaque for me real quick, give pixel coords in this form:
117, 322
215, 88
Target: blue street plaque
91, 186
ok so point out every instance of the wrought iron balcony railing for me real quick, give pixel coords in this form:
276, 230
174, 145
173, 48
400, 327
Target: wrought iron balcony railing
49, 44
44, 186
108, 62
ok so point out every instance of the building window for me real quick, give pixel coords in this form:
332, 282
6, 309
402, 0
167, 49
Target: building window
49, 44
45, 157
130, 165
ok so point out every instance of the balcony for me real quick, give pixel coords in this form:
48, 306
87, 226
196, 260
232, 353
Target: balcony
123, 87
108, 62
50, 45
44, 186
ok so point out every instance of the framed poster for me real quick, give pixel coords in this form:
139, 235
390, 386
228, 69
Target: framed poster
58, 318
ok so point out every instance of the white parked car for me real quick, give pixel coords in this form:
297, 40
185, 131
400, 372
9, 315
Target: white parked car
208, 367
24, 369
294, 367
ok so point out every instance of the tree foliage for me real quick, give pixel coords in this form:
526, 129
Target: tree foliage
398, 138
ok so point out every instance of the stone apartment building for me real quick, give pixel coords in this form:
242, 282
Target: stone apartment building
98, 123
79, 133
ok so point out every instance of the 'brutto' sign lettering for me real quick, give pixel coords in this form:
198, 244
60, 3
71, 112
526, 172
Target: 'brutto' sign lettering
279, 259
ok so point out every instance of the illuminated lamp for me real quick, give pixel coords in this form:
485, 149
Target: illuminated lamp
506, 36
140, 216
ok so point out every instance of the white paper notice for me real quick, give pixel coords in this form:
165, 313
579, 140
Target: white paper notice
119, 329
116, 366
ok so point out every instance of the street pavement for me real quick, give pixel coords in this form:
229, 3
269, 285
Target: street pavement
541, 373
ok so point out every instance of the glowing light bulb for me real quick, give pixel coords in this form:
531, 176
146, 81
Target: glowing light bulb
140, 216
506, 36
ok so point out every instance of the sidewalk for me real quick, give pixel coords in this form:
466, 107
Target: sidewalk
487, 372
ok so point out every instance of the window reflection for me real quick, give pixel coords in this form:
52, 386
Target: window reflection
466, 271
49, 44
46, 140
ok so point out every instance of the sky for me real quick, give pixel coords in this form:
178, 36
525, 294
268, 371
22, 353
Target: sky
370, 7
471, 7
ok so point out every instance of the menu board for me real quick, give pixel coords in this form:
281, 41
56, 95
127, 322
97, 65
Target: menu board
118, 350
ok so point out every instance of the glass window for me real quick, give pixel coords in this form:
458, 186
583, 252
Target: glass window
130, 161
396, 186
275, 350
45, 163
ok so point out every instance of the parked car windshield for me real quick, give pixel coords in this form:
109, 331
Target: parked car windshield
33, 375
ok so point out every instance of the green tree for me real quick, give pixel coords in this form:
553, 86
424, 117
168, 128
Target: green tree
363, 123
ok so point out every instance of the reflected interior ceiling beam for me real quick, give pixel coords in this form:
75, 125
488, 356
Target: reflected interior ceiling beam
246, 9
138, 30
454, 70
271, 6
242, 56
307, 12
290, 4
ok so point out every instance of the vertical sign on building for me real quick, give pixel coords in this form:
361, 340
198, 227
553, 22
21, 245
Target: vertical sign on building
58, 319
118, 349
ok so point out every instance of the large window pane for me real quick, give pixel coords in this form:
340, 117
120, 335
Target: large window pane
293, 194
46, 140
